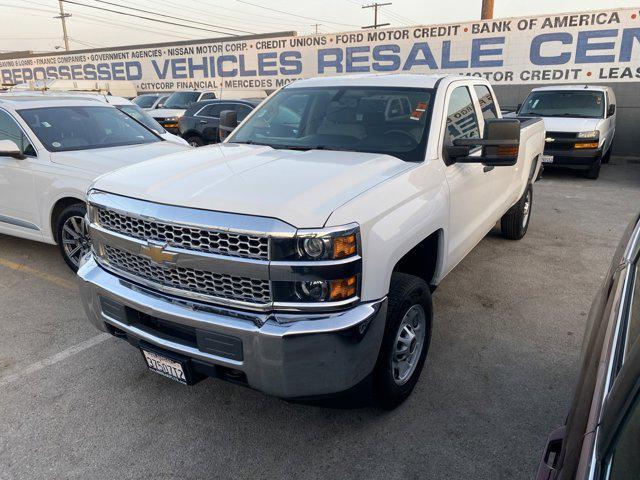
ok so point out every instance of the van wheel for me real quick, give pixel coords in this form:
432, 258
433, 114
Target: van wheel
594, 172
406, 340
194, 141
72, 235
515, 222
607, 156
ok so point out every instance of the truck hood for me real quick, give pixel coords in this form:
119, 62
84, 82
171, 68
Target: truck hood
570, 125
103, 160
167, 112
299, 187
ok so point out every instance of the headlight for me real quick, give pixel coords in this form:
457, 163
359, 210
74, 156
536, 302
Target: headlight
171, 119
589, 134
320, 268
332, 244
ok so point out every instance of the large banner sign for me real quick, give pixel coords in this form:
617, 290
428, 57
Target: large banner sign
598, 46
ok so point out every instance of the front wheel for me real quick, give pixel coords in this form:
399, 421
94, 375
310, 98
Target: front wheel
406, 340
593, 172
72, 235
194, 141
515, 222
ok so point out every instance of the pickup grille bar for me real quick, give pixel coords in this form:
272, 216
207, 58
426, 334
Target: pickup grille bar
190, 279
190, 238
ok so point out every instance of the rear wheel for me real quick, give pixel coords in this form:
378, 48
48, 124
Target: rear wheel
194, 141
406, 340
515, 222
72, 235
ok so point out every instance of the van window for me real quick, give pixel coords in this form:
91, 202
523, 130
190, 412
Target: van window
623, 460
564, 103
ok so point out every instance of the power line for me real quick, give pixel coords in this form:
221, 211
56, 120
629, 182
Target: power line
375, 7
171, 16
147, 18
295, 15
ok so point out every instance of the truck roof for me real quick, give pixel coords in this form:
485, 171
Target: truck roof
380, 80
597, 88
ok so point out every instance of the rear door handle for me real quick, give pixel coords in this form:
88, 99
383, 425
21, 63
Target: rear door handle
202, 122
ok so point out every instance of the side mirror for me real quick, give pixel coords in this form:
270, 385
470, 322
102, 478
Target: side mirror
228, 121
518, 108
160, 105
611, 111
500, 144
9, 148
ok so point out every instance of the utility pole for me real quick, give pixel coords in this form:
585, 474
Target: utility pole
63, 16
487, 9
375, 7
316, 25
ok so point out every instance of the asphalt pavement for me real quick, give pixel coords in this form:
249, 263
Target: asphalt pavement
509, 321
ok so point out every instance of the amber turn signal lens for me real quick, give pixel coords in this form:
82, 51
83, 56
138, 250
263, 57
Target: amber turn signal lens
344, 246
343, 289
586, 145
508, 151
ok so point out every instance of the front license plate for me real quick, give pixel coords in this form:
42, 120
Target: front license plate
165, 366
546, 158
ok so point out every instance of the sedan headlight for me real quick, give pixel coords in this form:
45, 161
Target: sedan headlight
589, 134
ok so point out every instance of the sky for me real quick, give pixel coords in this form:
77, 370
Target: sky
29, 24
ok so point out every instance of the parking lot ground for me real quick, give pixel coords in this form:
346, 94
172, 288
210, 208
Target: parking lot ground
75, 403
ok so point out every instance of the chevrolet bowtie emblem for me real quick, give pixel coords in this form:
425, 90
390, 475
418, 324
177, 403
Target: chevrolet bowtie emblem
549, 139
156, 253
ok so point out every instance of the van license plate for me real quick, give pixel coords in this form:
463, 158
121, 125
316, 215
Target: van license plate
546, 158
165, 366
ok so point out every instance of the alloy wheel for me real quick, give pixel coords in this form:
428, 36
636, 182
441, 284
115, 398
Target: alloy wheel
75, 239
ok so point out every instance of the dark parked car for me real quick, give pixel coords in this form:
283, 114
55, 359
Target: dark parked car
199, 124
601, 436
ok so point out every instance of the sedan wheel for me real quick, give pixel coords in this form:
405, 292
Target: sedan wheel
75, 239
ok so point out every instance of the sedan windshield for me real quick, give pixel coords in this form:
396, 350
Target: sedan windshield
389, 120
564, 103
135, 112
62, 129
145, 101
181, 100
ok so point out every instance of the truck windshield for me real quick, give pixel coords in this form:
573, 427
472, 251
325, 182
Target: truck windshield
564, 103
62, 129
390, 120
181, 100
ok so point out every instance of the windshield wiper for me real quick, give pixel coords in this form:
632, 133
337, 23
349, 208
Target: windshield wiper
573, 115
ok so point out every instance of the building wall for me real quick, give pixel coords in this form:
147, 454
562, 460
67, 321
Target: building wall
628, 111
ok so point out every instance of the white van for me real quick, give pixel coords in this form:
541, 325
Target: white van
580, 122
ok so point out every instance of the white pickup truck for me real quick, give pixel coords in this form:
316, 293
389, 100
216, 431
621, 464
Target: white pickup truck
299, 256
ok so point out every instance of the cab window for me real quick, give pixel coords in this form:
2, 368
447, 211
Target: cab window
487, 103
462, 120
10, 130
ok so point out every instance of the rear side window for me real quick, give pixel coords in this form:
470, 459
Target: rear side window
208, 96
9, 130
487, 103
214, 110
462, 121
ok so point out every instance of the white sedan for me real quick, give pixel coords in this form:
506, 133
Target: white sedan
51, 150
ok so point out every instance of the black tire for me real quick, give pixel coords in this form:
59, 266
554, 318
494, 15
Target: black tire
593, 172
607, 156
194, 140
66, 220
405, 293
515, 222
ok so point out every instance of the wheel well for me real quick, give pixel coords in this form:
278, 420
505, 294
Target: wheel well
422, 260
57, 210
191, 133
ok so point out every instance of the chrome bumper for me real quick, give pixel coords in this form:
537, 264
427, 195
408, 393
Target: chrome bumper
286, 355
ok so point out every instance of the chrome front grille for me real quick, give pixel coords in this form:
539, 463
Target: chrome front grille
189, 238
189, 279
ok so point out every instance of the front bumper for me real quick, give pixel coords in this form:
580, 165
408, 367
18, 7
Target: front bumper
286, 355
575, 157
